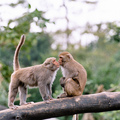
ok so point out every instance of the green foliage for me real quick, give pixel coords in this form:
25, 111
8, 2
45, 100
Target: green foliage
3, 93
101, 59
6, 72
113, 115
116, 36
36, 49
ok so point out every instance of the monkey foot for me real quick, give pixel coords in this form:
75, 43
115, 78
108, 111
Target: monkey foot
58, 97
14, 107
30, 102
50, 98
63, 95
47, 101
27, 103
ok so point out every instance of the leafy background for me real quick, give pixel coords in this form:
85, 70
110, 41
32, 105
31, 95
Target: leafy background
100, 58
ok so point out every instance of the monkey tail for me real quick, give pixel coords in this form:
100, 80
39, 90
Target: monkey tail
16, 64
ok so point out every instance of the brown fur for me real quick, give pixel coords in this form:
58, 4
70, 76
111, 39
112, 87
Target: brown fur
74, 73
74, 77
39, 75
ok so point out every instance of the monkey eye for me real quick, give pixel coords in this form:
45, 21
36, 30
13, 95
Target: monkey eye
60, 57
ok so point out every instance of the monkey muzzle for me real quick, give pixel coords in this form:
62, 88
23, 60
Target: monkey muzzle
61, 62
57, 64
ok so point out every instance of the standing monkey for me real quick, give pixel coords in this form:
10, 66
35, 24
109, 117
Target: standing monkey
74, 75
39, 75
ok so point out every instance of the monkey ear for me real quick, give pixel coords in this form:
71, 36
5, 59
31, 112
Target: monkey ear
69, 57
47, 64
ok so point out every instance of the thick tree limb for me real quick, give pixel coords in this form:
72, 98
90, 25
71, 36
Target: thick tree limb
101, 102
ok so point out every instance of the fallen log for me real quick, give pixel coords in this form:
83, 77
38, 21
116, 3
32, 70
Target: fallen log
100, 102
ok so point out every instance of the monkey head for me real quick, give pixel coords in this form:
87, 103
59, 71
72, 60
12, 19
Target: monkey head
64, 57
51, 63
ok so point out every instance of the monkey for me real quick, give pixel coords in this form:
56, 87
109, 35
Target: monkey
74, 75
41, 76
69, 86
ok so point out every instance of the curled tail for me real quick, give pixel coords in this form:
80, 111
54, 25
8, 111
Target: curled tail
16, 64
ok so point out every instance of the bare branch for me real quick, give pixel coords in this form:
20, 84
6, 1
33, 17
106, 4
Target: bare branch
100, 102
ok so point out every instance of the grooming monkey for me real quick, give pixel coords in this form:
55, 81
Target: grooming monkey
74, 76
41, 75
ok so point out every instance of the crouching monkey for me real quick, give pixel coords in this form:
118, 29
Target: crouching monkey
74, 76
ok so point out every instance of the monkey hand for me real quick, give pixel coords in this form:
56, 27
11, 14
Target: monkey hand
62, 81
75, 76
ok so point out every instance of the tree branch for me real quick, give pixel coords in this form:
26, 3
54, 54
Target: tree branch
101, 102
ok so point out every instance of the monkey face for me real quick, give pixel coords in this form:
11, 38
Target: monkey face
51, 64
55, 63
64, 57
60, 60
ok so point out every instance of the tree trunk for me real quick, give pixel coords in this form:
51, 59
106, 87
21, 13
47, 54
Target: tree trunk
106, 101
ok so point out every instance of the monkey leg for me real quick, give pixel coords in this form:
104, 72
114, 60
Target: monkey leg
49, 90
43, 91
13, 89
72, 88
23, 94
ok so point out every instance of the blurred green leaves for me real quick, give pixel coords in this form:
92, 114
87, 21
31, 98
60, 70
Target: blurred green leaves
36, 49
100, 58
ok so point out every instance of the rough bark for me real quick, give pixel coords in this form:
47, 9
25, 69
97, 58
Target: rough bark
2, 107
101, 102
